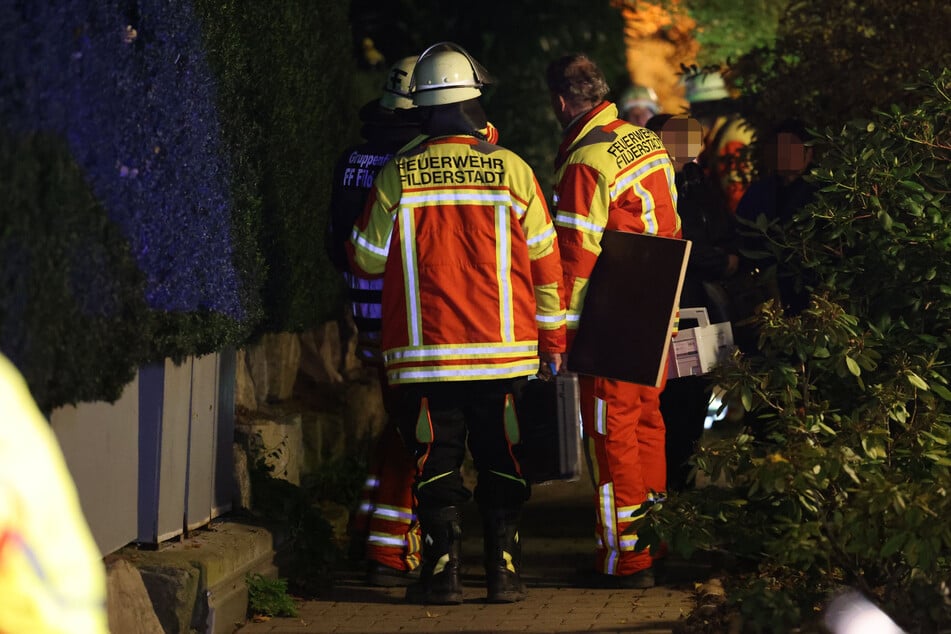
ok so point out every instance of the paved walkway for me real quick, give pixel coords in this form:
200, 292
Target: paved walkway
557, 543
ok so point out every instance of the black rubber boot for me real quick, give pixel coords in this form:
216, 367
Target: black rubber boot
503, 556
440, 580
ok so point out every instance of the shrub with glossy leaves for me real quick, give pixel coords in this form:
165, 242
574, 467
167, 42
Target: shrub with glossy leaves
842, 475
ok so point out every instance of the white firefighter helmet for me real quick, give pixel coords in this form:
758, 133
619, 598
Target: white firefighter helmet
396, 87
705, 86
637, 96
445, 73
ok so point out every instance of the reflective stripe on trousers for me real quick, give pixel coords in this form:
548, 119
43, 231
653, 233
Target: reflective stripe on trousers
624, 439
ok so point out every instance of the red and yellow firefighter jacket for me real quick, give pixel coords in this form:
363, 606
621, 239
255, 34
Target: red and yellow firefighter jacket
609, 174
725, 157
472, 279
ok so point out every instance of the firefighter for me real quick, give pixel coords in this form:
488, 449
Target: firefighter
52, 578
472, 302
725, 156
383, 528
613, 175
638, 104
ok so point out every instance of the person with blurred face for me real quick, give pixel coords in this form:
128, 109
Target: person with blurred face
786, 153
779, 193
708, 224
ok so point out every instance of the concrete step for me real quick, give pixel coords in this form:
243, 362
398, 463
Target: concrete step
197, 583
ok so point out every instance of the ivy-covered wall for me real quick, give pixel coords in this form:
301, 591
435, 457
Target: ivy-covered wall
285, 71
73, 316
164, 166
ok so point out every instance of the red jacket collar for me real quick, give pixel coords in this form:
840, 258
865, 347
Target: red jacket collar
573, 131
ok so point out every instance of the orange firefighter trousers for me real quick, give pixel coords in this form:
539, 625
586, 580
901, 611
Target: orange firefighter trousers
624, 440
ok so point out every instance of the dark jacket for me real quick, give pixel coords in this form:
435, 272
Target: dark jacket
385, 132
712, 230
354, 172
777, 200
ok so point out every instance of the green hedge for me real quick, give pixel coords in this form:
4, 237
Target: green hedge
166, 171
61, 319
285, 74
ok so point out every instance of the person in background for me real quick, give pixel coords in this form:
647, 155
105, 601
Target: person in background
472, 298
52, 578
778, 194
728, 136
383, 528
714, 256
612, 175
638, 104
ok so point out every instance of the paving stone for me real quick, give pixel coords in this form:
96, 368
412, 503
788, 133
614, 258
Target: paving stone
556, 530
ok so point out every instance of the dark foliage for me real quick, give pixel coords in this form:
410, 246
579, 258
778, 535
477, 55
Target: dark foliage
515, 49
840, 475
836, 61
70, 292
285, 73
168, 171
